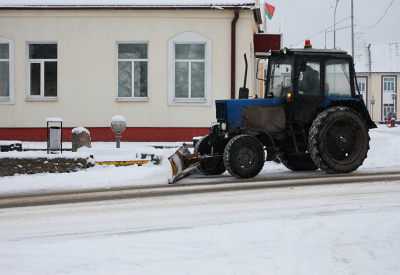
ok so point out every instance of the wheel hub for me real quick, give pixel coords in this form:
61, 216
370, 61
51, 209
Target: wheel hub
245, 157
342, 141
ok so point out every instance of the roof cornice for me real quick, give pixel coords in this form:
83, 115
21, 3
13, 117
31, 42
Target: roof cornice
250, 6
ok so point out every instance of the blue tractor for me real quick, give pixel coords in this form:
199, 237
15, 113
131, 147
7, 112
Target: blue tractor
312, 117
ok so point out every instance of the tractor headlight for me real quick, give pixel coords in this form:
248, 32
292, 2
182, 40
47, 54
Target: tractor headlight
223, 126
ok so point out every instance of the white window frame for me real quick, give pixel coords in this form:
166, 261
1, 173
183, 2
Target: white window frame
189, 38
10, 98
389, 80
40, 97
387, 101
362, 88
132, 98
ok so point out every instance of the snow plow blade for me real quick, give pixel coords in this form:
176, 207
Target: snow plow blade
183, 162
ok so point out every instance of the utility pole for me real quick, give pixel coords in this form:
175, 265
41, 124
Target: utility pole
352, 30
334, 26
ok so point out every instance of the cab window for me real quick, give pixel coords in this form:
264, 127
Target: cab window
309, 79
337, 78
280, 79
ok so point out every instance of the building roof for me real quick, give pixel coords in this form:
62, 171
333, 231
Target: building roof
121, 3
235, 5
378, 58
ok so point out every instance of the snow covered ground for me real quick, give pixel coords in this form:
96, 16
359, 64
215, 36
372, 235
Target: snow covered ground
383, 155
326, 229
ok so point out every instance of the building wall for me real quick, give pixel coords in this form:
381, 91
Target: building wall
375, 90
87, 84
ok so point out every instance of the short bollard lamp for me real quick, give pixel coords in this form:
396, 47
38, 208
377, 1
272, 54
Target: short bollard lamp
118, 125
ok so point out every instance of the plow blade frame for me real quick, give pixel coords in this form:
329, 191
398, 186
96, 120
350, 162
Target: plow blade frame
183, 162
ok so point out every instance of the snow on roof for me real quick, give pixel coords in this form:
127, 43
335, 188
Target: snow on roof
385, 57
361, 60
16, 3
378, 58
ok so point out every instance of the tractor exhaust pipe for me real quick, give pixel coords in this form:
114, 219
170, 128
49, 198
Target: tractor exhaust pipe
243, 91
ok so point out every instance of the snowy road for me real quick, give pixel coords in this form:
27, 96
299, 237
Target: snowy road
201, 186
322, 229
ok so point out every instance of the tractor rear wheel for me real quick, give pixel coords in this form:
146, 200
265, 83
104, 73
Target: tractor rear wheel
338, 140
244, 157
211, 167
297, 162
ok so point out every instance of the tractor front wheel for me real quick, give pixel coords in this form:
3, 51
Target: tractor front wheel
244, 157
338, 140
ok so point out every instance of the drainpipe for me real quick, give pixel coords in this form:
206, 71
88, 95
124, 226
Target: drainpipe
233, 54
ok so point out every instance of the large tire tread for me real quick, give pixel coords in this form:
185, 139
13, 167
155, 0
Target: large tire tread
229, 157
316, 147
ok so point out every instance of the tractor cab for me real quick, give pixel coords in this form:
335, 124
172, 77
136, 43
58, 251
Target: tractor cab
309, 80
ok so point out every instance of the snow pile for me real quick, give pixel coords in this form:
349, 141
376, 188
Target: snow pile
79, 130
100, 176
8, 142
42, 154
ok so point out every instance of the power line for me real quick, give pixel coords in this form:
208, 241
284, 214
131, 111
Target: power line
379, 19
321, 31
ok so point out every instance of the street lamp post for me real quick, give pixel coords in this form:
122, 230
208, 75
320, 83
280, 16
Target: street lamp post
394, 105
118, 125
372, 107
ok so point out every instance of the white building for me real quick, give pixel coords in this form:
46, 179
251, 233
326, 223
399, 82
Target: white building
161, 66
378, 69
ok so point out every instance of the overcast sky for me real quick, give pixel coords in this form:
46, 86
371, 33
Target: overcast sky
304, 18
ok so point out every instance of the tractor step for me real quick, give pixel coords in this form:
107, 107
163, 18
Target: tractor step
299, 137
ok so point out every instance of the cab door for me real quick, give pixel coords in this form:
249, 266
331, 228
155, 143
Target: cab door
308, 89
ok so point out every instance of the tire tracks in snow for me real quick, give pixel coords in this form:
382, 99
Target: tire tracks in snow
227, 185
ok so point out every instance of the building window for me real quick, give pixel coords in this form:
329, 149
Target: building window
132, 66
388, 103
42, 71
362, 87
388, 84
6, 71
189, 70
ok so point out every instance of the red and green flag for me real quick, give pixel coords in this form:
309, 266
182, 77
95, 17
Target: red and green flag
269, 10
